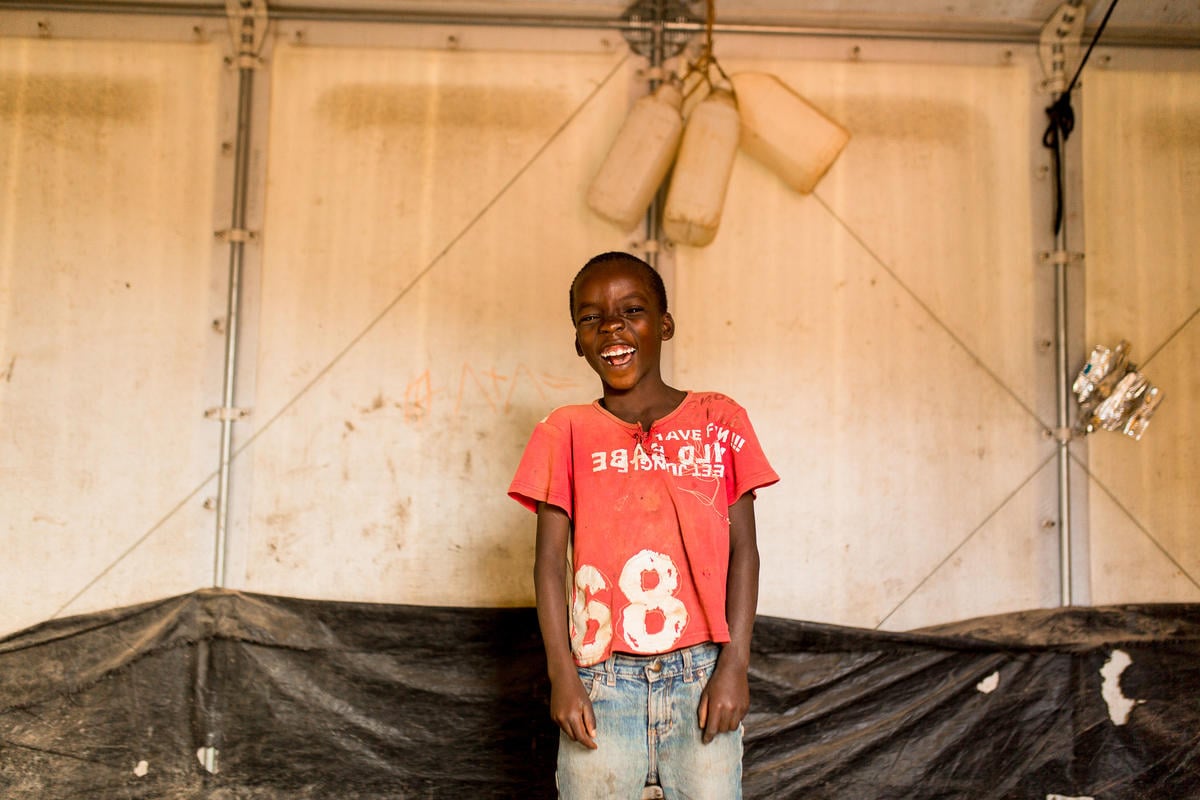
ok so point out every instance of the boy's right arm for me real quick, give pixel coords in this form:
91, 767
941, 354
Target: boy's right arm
569, 703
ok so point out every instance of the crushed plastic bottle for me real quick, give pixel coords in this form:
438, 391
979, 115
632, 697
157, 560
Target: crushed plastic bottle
1101, 364
1140, 418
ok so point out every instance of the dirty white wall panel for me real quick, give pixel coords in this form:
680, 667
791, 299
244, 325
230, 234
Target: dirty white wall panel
881, 332
406, 323
425, 215
1142, 181
107, 153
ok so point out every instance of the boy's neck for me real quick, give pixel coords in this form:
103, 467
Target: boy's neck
643, 406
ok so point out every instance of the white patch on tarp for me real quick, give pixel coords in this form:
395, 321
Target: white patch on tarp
1119, 706
989, 684
1065, 797
142, 768
207, 756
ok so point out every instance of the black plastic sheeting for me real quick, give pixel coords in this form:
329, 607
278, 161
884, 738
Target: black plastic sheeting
309, 699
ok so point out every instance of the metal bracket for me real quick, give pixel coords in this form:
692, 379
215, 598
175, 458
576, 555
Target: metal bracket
1061, 435
1059, 47
647, 21
247, 29
1064, 257
226, 414
236, 235
647, 246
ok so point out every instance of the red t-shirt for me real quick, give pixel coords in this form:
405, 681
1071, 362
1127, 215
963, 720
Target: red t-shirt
650, 515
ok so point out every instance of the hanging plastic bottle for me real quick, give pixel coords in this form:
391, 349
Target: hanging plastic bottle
786, 132
697, 193
639, 158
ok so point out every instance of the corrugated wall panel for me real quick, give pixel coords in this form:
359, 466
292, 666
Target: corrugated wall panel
1142, 182
107, 158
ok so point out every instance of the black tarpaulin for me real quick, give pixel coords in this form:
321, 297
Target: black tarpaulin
310, 699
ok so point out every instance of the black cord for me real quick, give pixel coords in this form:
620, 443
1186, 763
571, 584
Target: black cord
1062, 122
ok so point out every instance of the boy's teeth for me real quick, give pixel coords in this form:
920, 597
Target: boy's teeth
616, 353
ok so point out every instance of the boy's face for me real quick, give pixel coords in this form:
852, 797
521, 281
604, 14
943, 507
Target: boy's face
619, 327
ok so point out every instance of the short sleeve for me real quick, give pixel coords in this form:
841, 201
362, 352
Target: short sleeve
545, 472
750, 469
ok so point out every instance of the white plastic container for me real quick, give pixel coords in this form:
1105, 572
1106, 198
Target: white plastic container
696, 197
786, 132
639, 158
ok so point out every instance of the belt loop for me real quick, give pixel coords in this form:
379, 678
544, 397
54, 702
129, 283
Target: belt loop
610, 670
687, 664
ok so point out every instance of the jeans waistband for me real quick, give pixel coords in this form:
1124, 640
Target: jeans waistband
684, 661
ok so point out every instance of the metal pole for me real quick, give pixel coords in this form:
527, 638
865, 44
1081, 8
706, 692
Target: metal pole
1062, 376
656, 61
1062, 420
233, 300
921, 28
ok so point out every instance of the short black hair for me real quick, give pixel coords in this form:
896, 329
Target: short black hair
650, 273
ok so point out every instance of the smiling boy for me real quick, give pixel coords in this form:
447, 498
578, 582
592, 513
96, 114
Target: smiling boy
645, 499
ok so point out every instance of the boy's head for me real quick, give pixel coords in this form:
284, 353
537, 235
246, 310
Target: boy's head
619, 309
653, 279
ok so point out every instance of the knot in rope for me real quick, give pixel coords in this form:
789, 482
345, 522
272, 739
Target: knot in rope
1062, 121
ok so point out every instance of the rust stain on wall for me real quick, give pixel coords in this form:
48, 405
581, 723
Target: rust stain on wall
359, 106
75, 114
1167, 129
402, 510
907, 119
74, 98
280, 546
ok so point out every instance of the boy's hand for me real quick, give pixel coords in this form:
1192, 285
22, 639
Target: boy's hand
572, 710
725, 700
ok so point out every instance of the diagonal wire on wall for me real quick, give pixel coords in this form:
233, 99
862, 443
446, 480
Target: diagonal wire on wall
1137, 522
916, 298
982, 523
860, 239
354, 341
1172, 335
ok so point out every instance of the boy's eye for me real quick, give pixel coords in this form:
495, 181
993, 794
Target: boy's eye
634, 310
588, 318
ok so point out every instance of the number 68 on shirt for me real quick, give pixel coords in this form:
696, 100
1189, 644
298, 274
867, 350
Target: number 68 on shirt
649, 580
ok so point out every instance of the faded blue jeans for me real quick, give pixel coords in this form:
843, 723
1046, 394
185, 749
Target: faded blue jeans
648, 730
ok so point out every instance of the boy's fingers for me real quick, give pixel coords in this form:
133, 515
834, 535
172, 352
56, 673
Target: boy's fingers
582, 727
706, 723
584, 735
589, 720
720, 721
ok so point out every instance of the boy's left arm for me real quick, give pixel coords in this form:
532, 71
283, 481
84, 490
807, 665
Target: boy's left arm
726, 698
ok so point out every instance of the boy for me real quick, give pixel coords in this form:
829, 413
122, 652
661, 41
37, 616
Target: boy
648, 495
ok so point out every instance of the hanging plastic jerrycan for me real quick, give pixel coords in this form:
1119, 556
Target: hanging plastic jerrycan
697, 193
639, 158
785, 132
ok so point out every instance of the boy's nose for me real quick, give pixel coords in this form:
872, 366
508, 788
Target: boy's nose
612, 324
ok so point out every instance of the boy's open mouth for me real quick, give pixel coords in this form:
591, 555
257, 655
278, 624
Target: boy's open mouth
618, 355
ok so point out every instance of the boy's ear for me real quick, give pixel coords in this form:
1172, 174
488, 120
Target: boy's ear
578, 349
668, 326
